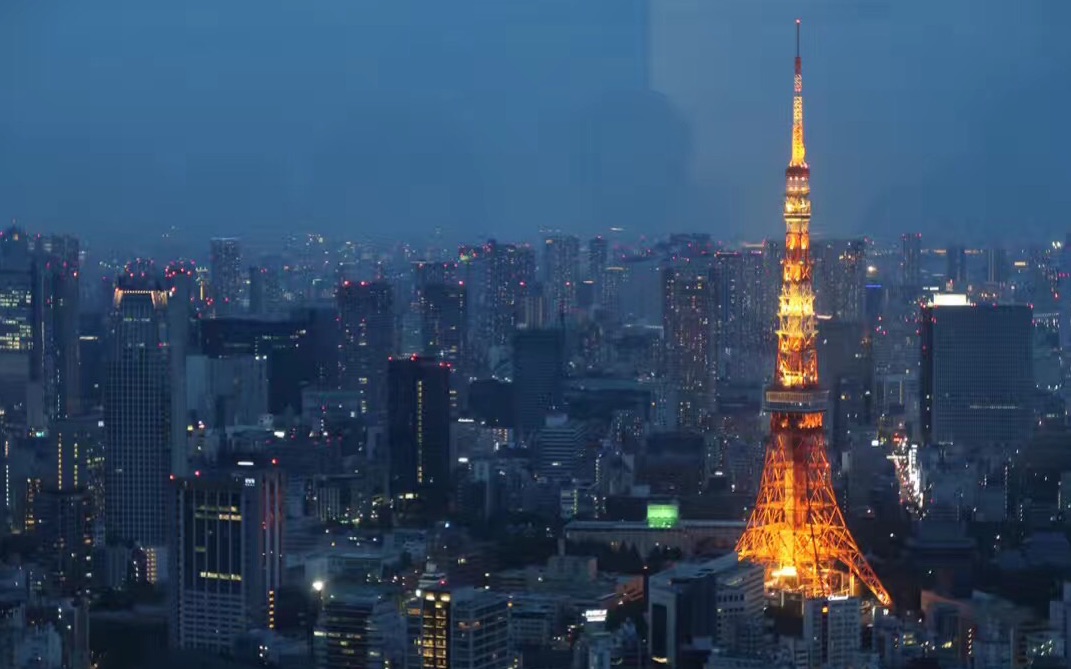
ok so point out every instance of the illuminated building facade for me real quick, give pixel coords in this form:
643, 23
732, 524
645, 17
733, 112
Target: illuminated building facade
366, 319
227, 276
356, 630
561, 273
840, 278
444, 321
796, 530
137, 417
226, 555
689, 350
464, 628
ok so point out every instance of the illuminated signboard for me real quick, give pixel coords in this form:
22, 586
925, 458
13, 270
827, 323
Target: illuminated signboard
662, 515
595, 616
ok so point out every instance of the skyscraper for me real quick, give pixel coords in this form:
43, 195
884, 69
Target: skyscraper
265, 291
58, 260
226, 554
444, 321
996, 265
911, 260
227, 276
956, 263
418, 430
366, 319
65, 526
688, 339
598, 257
976, 378
538, 378
137, 417
20, 340
561, 273
840, 278
497, 277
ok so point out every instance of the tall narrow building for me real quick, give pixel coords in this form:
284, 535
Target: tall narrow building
460, 628
561, 273
911, 260
227, 278
226, 554
796, 530
689, 354
137, 418
538, 378
418, 430
366, 319
840, 278
444, 322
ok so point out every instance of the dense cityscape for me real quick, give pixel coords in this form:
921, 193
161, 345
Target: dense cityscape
625, 451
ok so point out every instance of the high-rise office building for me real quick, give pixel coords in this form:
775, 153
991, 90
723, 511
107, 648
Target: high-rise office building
444, 322
65, 527
743, 287
561, 273
464, 628
58, 259
227, 279
498, 276
840, 278
832, 632
366, 319
559, 446
956, 267
911, 260
226, 554
418, 430
358, 628
996, 265
976, 377
538, 378
689, 348
139, 454
19, 321
721, 599
265, 291
598, 257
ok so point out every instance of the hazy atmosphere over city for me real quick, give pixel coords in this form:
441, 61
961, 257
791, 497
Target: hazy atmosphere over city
498, 118
535, 334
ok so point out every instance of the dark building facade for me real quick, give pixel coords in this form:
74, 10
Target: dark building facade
418, 429
366, 319
976, 378
538, 377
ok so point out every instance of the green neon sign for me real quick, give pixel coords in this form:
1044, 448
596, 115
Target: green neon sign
662, 516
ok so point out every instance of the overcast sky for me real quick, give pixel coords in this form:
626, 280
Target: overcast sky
374, 118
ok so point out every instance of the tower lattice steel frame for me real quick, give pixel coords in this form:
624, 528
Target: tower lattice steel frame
797, 530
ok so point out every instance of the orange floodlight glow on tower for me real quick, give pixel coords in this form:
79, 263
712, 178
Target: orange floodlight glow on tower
797, 530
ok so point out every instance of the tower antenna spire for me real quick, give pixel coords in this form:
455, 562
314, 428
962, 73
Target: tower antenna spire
797, 39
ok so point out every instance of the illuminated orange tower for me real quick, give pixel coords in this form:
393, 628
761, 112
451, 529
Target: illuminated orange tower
796, 528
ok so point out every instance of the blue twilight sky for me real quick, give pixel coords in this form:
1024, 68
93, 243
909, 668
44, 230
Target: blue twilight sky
121, 119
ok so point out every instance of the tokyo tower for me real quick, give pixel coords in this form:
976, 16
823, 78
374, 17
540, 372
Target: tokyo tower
796, 529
